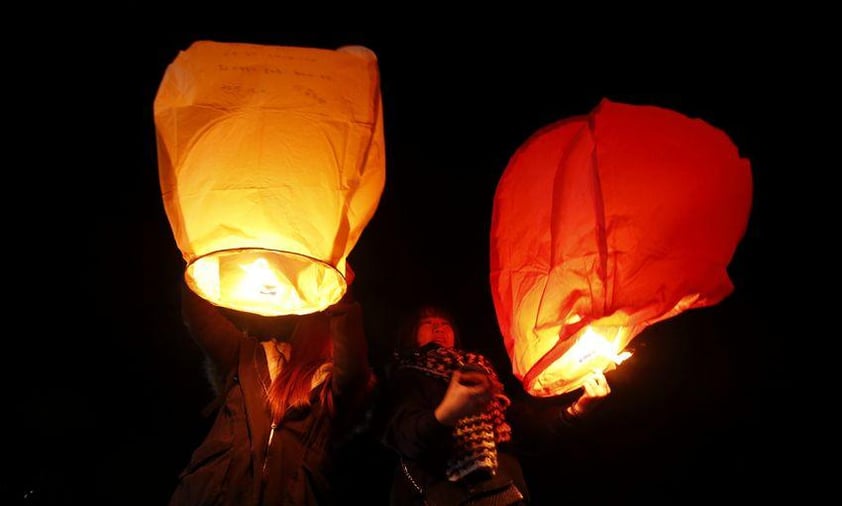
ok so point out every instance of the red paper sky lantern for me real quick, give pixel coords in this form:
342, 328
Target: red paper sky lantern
271, 163
607, 223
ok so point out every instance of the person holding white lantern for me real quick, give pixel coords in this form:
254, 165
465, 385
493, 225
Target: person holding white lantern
286, 404
271, 162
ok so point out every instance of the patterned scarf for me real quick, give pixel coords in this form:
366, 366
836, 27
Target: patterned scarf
476, 437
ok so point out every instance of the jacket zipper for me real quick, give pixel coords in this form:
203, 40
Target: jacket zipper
268, 446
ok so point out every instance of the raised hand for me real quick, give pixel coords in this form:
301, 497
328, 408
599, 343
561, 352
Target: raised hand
596, 389
468, 394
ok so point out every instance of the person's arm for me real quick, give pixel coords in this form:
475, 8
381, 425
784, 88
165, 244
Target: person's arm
539, 426
412, 429
596, 390
427, 409
215, 334
468, 394
351, 369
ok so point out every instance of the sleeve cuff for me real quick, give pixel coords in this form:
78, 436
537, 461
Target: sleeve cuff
429, 424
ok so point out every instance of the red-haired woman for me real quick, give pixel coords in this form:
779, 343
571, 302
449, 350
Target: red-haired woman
288, 396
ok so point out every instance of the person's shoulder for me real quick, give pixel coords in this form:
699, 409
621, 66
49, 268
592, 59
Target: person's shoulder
398, 371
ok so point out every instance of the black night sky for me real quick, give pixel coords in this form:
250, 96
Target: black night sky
111, 413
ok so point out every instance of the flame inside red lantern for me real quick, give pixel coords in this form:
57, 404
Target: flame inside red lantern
607, 223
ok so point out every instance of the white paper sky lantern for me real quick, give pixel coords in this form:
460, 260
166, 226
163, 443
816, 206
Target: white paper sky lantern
271, 163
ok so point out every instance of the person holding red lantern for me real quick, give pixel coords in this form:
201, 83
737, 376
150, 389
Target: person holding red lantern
291, 390
447, 418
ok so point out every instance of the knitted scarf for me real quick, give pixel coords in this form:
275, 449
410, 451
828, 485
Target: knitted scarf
475, 437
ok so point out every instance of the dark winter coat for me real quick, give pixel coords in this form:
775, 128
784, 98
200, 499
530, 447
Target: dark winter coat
424, 444
235, 464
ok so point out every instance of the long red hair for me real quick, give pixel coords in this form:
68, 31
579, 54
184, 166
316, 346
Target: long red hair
311, 347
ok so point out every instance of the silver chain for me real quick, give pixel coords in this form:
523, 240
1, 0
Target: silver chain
414, 483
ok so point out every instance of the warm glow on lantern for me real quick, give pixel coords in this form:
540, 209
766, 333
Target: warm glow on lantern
590, 351
271, 163
605, 224
261, 281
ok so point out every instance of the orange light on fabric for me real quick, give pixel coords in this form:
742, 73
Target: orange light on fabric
271, 163
607, 223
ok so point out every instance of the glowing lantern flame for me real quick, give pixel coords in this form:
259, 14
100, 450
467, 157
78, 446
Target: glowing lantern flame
605, 224
590, 351
271, 163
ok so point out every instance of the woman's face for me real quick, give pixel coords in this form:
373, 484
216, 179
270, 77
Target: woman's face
435, 329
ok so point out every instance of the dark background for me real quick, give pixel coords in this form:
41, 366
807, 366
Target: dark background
110, 410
